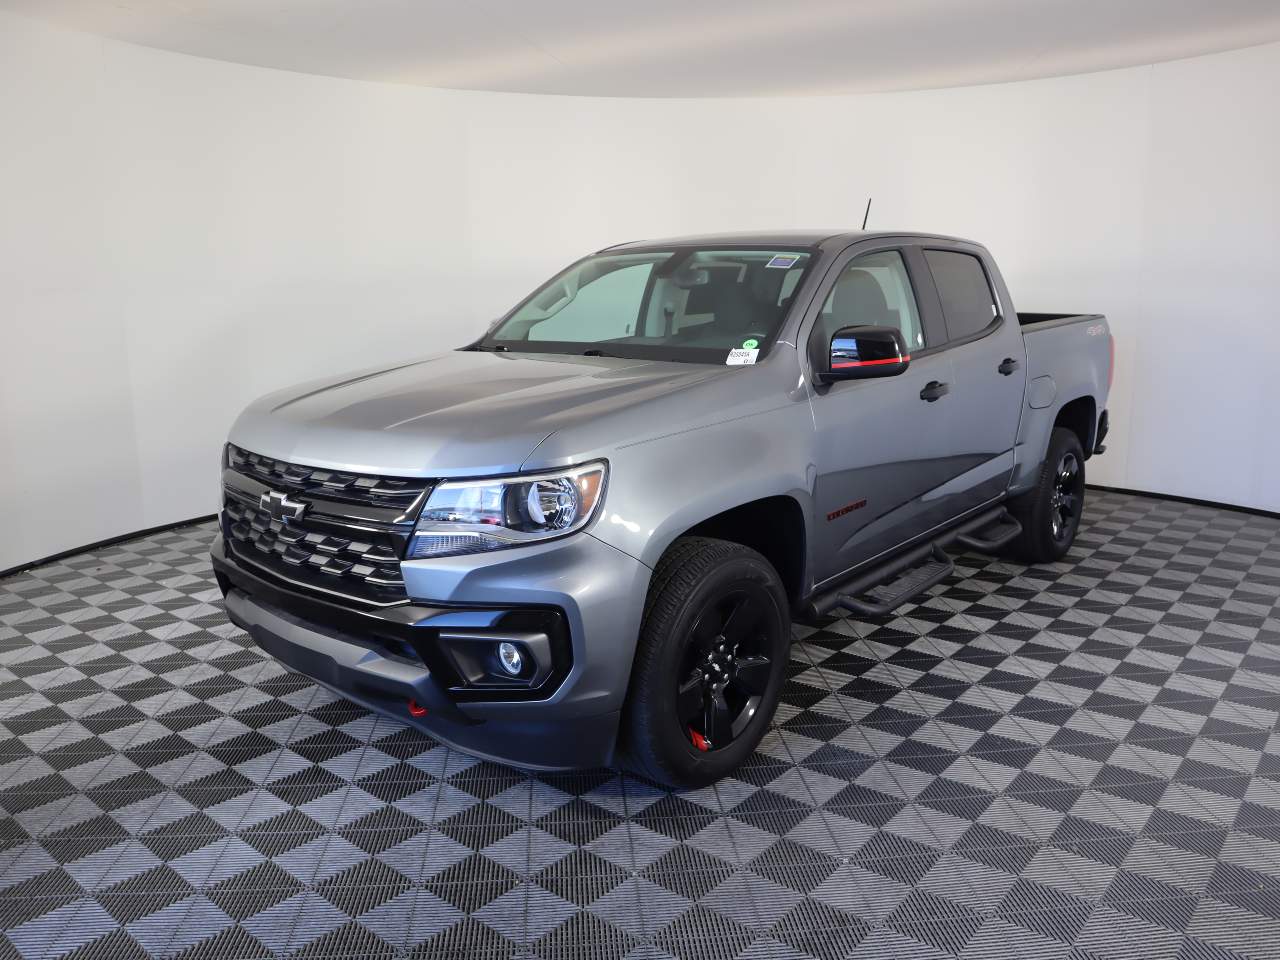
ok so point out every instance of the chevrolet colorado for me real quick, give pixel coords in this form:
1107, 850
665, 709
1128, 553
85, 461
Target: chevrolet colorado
580, 539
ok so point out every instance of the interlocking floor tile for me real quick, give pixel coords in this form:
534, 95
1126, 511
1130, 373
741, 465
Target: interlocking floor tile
1078, 760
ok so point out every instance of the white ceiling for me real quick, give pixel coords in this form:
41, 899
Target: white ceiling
677, 48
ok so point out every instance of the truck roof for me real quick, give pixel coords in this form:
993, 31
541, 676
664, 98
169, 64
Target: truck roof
776, 238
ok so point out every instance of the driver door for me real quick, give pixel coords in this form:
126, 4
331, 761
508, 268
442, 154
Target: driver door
883, 454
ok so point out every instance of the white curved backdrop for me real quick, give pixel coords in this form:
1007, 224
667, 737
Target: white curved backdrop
179, 235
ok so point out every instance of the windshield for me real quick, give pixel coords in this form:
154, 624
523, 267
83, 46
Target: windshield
690, 305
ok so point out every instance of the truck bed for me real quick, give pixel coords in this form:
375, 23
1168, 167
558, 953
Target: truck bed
1044, 320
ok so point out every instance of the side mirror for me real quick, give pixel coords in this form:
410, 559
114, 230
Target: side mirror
860, 353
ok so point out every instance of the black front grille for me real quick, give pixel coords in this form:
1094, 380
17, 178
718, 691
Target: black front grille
374, 491
348, 540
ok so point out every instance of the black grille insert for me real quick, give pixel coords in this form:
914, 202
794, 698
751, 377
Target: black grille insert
392, 492
333, 547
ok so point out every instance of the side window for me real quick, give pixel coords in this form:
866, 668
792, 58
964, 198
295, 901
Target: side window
967, 301
603, 309
873, 290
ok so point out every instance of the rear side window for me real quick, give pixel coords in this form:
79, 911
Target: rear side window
967, 301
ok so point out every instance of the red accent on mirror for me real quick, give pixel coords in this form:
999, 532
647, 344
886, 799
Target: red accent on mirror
870, 363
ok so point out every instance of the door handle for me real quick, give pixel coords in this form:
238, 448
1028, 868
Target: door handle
1008, 365
933, 390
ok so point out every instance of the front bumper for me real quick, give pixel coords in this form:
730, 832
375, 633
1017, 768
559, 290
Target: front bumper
381, 657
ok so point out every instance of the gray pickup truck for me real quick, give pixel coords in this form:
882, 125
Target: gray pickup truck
580, 540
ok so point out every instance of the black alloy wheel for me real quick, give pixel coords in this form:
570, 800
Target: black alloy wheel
709, 662
726, 667
1050, 512
1067, 497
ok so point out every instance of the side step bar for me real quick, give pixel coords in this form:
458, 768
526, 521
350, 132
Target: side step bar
881, 590
882, 600
997, 536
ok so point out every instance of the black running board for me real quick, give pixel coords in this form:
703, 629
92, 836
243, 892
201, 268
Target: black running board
882, 600
879, 591
992, 538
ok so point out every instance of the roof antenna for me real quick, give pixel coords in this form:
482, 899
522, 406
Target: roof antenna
867, 214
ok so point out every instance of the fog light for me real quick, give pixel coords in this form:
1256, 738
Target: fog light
509, 657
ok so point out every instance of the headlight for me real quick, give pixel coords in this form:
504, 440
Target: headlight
474, 516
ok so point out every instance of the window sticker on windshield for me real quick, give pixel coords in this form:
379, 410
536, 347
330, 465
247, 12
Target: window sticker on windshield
750, 343
784, 261
740, 357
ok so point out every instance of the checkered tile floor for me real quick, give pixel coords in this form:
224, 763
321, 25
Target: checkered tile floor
1072, 761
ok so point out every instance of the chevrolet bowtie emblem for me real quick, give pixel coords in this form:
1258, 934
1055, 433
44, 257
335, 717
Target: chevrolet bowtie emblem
280, 507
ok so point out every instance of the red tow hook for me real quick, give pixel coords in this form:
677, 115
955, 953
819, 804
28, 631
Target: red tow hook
415, 710
699, 741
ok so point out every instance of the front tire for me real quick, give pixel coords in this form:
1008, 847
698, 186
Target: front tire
709, 663
1050, 511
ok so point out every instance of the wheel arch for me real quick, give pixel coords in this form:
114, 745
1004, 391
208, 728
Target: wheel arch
1080, 416
774, 527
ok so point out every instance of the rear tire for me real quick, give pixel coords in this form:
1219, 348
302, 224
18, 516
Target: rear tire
709, 663
1050, 511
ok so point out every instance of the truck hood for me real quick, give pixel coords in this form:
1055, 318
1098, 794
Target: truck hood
463, 412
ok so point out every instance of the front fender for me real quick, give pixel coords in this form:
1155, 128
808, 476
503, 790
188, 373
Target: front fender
660, 488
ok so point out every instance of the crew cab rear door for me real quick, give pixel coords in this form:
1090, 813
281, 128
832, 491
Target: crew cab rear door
988, 368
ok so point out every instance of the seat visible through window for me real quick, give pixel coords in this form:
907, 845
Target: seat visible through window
874, 291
